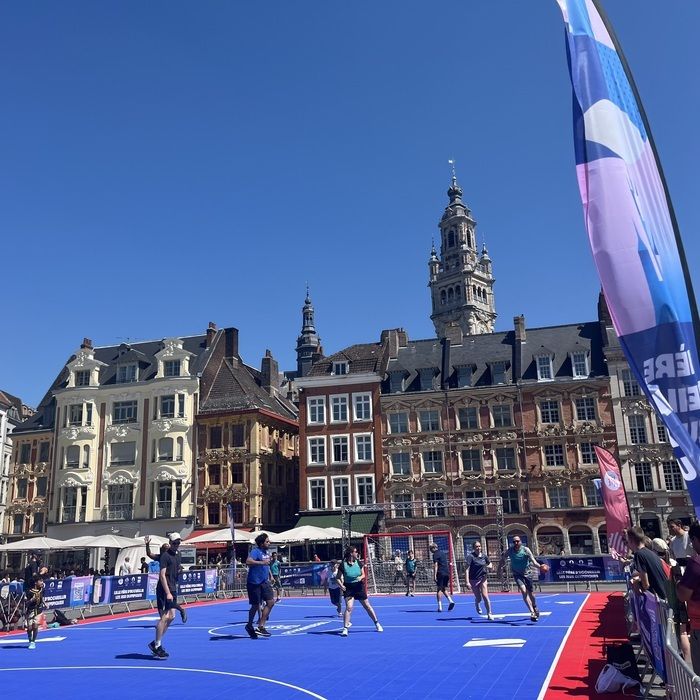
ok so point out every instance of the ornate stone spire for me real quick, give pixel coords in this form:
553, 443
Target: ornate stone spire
308, 342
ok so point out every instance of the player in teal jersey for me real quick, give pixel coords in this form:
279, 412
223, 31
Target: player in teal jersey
520, 559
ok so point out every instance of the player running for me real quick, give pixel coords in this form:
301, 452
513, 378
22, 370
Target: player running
520, 558
34, 605
351, 577
478, 565
441, 572
156, 557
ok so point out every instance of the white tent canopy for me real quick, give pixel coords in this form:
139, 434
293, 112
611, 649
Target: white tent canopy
337, 534
33, 544
304, 533
223, 535
99, 541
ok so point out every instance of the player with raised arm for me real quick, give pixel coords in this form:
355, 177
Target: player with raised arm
520, 558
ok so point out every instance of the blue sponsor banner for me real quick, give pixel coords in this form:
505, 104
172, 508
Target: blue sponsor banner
582, 568
71, 592
645, 608
304, 575
199, 581
123, 589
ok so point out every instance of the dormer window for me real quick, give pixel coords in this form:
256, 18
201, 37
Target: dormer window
427, 378
464, 375
126, 374
82, 377
544, 368
396, 382
579, 364
171, 368
340, 368
498, 372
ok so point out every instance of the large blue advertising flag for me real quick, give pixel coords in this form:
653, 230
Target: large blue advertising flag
633, 232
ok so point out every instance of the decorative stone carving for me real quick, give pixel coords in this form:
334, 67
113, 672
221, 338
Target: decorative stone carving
433, 440
119, 478
587, 428
237, 492
211, 494
508, 436
396, 442
120, 430
77, 432
167, 425
550, 431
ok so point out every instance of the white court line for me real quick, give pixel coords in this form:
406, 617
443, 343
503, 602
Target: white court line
545, 685
169, 668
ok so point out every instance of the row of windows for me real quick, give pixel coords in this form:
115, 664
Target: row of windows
363, 449
501, 415
25, 452
129, 373
165, 449
339, 408
40, 490
672, 476
167, 406
320, 499
579, 364
435, 506
471, 459
18, 523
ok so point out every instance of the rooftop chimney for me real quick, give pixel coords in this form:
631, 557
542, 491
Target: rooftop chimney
520, 335
270, 372
86, 344
231, 347
211, 332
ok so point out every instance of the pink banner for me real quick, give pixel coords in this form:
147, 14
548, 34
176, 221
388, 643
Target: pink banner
617, 515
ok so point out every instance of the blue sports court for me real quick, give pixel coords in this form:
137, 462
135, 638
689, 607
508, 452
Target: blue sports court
420, 654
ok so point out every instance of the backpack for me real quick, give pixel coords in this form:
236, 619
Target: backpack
612, 680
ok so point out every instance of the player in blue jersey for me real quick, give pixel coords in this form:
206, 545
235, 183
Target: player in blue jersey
259, 587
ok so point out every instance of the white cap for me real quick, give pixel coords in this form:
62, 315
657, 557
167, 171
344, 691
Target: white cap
174, 537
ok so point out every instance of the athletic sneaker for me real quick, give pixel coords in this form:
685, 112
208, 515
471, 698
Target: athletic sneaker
407, 594
478, 609
533, 618
379, 627
489, 617
344, 632
439, 609
537, 613
262, 631
451, 606
32, 645
183, 615
158, 652
251, 631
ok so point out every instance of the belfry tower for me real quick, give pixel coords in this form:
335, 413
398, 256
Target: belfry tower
461, 279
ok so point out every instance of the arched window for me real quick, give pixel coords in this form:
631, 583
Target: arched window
73, 457
451, 239
581, 539
443, 297
86, 456
165, 449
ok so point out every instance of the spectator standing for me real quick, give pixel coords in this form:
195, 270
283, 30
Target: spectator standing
681, 546
398, 570
650, 572
411, 570
125, 567
689, 592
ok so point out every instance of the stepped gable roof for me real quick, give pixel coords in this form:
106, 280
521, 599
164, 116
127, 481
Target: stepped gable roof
481, 351
361, 358
238, 387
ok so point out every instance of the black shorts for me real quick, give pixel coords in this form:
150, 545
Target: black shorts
355, 590
163, 603
259, 592
523, 580
410, 575
276, 582
442, 581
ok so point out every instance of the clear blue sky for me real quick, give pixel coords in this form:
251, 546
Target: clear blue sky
164, 164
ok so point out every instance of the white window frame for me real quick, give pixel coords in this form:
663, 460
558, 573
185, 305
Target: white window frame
544, 367
127, 374
317, 402
461, 459
586, 365
673, 476
630, 385
585, 408
459, 417
172, 364
593, 459
334, 481
555, 454
442, 461
590, 485
370, 442
341, 368
317, 480
566, 490
639, 430
346, 438
370, 479
506, 467
320, 440
510, 414
339, 400
363, 399
388, 422
410, 463
402, 509
420, 420
552, 407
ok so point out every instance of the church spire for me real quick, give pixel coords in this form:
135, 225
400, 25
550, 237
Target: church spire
308, 342
461, 279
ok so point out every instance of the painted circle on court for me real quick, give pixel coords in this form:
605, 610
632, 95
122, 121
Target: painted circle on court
296, 690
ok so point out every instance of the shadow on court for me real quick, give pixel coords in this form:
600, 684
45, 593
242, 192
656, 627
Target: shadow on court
230, 637
137, 657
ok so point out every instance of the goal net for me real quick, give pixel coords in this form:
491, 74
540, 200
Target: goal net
385, 560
